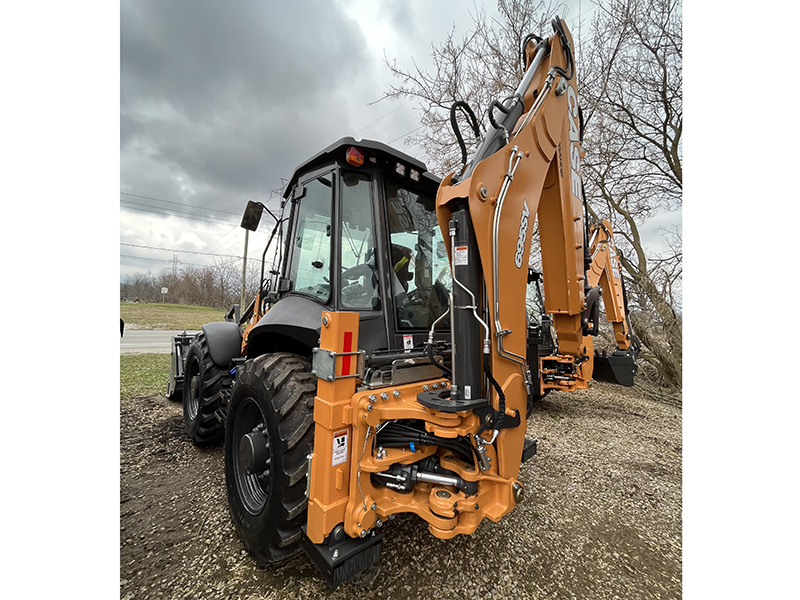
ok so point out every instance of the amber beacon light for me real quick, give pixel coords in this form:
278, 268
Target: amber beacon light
354, 156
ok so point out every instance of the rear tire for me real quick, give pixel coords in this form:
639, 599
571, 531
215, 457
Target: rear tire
269, 434
206, 388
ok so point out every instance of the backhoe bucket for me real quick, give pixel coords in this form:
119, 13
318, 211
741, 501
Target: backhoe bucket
619, 367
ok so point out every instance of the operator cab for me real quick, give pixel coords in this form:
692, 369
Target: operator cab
360, 235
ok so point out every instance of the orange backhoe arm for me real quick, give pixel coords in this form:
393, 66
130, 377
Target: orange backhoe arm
527, 168
605, 272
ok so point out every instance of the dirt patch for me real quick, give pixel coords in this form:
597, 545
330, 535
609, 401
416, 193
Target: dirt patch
601, 516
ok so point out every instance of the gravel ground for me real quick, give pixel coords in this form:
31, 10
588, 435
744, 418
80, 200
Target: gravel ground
601, 517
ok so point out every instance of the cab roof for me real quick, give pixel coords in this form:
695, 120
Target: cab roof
380, 152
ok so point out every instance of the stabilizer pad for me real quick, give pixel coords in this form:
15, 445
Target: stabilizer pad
352, 557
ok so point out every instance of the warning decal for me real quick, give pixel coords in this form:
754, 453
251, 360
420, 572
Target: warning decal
462, 255
339, 454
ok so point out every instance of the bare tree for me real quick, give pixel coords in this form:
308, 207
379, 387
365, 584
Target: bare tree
631, 89
474, 69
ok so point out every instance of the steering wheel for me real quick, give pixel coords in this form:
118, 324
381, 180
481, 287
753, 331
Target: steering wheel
416, 296
356, 272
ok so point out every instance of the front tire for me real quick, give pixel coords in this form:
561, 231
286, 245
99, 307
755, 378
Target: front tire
269, 434
205, 390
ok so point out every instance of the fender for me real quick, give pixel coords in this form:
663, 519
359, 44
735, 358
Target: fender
224, 342
293, 320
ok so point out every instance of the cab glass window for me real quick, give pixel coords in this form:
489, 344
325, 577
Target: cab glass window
359, 268
420, 268
310, 270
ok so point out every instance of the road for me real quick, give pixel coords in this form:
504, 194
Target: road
141, 341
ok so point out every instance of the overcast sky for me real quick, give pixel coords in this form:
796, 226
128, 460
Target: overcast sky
220, 101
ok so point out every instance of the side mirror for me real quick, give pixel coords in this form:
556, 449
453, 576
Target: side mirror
252, 215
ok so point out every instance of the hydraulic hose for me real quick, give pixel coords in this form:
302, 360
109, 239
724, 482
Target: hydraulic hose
465, 108
448, 373
501, 407
399, 435
567, 51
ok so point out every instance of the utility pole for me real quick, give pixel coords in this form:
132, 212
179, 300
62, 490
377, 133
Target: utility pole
244, 269
250, 220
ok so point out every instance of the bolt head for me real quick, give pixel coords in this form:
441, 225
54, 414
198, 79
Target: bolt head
369, 407
517, 491
363, 533
384, 396
436, 386
484, 192
396, 393
426, 387
373, 398
335, 554
325, 321
338, 532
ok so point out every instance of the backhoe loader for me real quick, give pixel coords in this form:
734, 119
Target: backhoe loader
392, 363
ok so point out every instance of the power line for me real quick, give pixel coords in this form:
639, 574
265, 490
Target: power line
179, 251
210, 219
395, 123
158, 210
178, 203
384, 116
405, 134
219, 239
172, 213
228, 212
160, 260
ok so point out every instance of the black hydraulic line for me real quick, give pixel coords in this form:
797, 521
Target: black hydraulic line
501, 407
501, 108
397, 435
528, 38
567, 51
465, 108
447, 372
587, 256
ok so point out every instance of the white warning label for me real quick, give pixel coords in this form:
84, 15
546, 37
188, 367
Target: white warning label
462, 255
339, 454
408, 342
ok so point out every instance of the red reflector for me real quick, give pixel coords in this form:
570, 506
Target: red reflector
347, 346
354, 157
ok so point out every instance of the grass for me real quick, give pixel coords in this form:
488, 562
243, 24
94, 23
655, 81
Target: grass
168, 316
143, 375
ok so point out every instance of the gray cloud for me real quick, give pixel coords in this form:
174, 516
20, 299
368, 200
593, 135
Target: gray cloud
212, 92
218, 102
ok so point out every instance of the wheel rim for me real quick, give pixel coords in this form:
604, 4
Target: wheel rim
193, 406
251, 484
